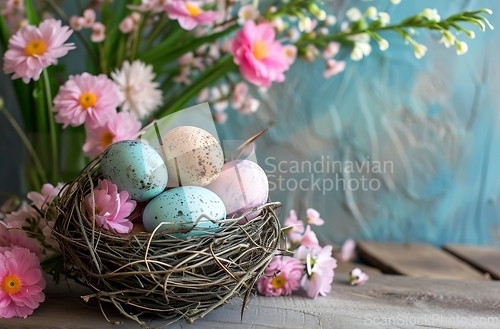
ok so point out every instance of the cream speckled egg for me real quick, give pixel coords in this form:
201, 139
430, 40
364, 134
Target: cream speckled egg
241, 185
192, 155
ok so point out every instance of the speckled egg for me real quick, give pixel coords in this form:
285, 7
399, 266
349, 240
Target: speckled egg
188, 207
192, 155
241, 185
135, 167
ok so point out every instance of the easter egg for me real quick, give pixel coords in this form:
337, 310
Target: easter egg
190, 208
192, 155
241, 185
135, 167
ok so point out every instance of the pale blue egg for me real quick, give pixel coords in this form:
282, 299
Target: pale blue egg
187, 207
135, 167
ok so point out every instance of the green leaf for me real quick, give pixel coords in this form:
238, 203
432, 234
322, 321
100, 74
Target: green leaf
53, 264
113, 34
4, 33
31, 14
165, 53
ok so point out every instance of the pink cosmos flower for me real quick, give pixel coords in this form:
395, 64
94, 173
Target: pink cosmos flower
42, 200
32, 49
309, 238
10, 237
357, 277
313, 217
260, 57
122, 126
333, 67
320, 267
295, 233
21, 282
86, 99
189, 13
21, 217
111, 208
12, 6
281, 277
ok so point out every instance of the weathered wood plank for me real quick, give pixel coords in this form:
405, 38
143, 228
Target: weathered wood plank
485, 259
398, 301
346, 267
416, 260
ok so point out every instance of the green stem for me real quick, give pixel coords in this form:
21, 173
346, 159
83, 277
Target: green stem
52, 127
26, 142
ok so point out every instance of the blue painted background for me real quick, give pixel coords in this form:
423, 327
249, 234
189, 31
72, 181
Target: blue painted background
434, 119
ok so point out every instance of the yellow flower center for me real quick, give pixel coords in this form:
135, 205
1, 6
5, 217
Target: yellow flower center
278, 282
193, 10
260, 50
11, 284
88, 99
106, 140
35, 47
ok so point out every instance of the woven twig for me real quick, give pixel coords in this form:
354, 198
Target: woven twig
158, 273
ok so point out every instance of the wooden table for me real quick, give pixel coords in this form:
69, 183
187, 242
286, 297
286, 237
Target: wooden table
402, 300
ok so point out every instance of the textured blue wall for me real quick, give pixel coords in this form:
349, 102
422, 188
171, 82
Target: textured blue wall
434, 119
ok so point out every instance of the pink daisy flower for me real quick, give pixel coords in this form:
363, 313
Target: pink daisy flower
42, 199
189, 13
111, 208
10, 237
33, 48
281, 277
122, 126
86, 99
21, 282
313, 217
320, 267
357, 277
262, 60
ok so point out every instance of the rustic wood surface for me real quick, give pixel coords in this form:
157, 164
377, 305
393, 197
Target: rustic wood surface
416, 260
346, 267
402, 300
485, 259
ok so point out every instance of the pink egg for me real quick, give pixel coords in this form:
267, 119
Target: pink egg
241, 185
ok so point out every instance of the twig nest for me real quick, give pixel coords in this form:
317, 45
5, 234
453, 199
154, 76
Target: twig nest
161, 274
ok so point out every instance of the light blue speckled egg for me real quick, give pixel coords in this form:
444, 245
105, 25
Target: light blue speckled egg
191, 208
135, 167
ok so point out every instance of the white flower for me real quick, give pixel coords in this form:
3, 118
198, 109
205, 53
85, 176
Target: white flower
247, 13
371, 13
305, 24
360, 50
448, 39
420, 50
383, 44
384, 18
354, 14
431, 14
396, 2
330, 20
140, 93
462, 47
249, 106
470, 34
321, 15
278, 24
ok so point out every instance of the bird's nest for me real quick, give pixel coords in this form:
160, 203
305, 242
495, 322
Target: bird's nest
158, 273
